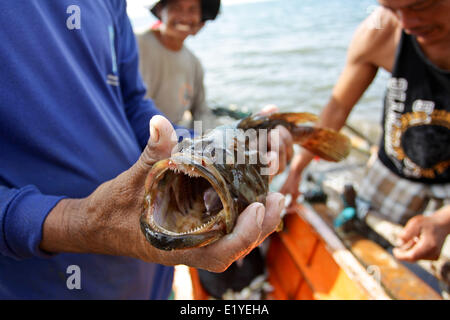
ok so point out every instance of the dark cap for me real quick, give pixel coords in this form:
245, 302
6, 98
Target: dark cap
210, 9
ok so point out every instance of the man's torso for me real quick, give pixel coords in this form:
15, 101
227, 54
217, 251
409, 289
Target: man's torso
172, 77
63, 128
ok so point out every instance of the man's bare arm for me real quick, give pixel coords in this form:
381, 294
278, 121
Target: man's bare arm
370, 49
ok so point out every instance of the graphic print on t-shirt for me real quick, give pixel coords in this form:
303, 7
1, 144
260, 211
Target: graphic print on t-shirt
416, 141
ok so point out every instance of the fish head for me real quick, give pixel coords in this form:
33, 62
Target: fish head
187, 203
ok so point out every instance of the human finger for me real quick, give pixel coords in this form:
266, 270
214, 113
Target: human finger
244, 237
161, 142
275, 204
411, 230
423, 248
275, 144
287, 141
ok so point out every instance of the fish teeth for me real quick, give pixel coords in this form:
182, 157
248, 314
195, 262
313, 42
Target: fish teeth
198, 228
186, 171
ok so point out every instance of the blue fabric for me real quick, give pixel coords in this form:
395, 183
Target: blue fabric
72, 116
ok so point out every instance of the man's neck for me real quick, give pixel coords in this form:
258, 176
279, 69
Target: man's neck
438, 54
171, 43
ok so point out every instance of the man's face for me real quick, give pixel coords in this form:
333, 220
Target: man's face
427, 20
182, 17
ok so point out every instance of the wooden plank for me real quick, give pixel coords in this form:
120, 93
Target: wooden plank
304, 292
325, 278
283, 267
341, 255
397, 280
198, 291
301, 234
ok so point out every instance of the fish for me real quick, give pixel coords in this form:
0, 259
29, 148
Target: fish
194, 197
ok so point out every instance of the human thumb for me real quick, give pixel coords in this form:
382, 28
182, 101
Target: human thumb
411, 230
161, 142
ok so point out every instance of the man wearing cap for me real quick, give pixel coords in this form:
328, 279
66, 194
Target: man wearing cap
173, 74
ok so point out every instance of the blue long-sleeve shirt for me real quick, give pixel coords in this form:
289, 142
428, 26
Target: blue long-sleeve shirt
72, 116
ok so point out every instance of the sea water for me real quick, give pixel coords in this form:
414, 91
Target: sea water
284, 52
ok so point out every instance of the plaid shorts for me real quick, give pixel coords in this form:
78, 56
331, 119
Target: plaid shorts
397, 199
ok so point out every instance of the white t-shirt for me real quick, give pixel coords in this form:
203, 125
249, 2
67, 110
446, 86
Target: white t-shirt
174, 79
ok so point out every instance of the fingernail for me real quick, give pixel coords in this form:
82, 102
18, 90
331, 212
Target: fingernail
260, 212
154, 134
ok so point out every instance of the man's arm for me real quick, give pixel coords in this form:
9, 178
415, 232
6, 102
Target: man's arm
22, 213
364, 56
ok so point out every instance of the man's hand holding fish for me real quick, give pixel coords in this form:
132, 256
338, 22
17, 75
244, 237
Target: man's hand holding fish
108, 220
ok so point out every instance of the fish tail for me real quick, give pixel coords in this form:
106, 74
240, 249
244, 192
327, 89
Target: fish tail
287, 119
326, 143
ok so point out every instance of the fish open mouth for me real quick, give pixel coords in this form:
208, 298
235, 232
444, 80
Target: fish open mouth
187, 204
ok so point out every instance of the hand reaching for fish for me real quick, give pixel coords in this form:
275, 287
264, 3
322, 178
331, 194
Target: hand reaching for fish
279, 141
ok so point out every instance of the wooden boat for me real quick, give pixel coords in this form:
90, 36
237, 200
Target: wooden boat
308, 261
